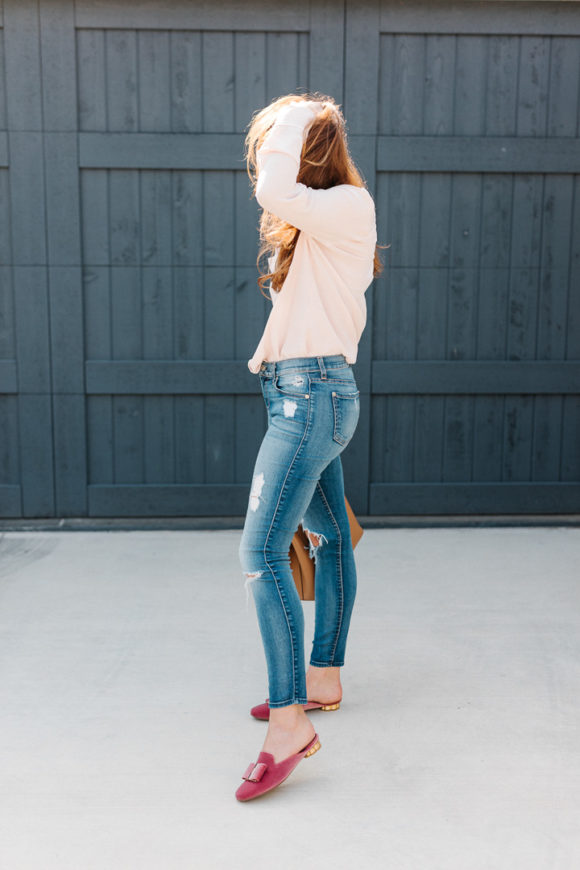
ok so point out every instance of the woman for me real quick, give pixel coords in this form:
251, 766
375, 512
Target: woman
319, 223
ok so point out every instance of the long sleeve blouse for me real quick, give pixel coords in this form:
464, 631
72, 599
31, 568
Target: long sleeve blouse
321, 307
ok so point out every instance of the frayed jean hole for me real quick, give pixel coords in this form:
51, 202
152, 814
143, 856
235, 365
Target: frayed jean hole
251, 577
256, 491
314, 545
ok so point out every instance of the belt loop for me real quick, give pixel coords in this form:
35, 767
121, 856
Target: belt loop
321, 367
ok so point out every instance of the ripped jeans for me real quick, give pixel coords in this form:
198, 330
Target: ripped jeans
313, 411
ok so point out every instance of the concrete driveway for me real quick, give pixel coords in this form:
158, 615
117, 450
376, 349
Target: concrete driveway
129, 660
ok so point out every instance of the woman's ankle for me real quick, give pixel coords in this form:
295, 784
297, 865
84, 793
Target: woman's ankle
288, 717
319, 674
324, 682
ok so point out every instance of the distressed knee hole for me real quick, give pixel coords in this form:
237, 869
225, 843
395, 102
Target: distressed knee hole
250, 576
253, 575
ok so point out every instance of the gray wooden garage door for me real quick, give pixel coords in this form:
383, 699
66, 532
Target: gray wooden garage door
128, 296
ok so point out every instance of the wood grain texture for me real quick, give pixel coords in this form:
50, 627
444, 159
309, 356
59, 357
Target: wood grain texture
129, 303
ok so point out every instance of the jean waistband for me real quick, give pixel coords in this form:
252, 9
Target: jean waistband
305, 363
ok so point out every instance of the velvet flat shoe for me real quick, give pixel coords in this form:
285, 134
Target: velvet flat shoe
262, 711
264, 774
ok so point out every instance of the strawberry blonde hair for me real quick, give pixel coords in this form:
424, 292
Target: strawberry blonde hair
325, 161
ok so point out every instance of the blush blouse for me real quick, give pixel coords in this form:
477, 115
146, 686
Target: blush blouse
321, 307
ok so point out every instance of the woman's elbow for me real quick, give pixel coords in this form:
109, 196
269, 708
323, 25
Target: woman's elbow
265, 194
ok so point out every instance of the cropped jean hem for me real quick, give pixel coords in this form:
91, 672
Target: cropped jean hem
326, 664
275, 704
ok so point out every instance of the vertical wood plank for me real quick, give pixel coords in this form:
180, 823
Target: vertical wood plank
251, 312
440, 74
509, 116
3, 115
61, 167
284, 77
32, 344
155, 217
92, 80
94, 211
533, 85
570, 458
121, 81
564, 88
66, 329
7, 316
59, 97
154, 84
459, 410
70, 458
187, 217
502, 85
470, 85
5, 218
218, 79
430, 410
158, 320
436, 191
60, 119
10, 496
521, 345
27, 198
491, 344
36, 453
220, 427
218, 213
250, 73
98, 345
124, 217
496, 223
407, 92
22, 59
401, 345
326, 49
128, 436
189, 344
9, 450
186, 79
362, 39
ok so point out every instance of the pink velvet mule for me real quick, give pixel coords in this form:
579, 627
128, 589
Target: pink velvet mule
264, 774
262, 711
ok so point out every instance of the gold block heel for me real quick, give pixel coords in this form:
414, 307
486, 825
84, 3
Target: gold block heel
328, 707
313, 749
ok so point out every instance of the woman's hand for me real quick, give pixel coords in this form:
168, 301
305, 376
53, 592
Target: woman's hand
316, 106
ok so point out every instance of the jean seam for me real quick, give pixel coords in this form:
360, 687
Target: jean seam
290, 628
339, 561
332, 664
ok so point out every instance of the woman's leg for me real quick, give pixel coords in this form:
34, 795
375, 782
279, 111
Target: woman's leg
306, 432
282, 487
327, 525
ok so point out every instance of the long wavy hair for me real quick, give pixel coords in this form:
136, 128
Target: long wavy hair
325, 161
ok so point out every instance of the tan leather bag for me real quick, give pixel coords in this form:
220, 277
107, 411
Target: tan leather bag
302, 566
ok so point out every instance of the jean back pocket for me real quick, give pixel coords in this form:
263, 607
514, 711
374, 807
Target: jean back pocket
346, 413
